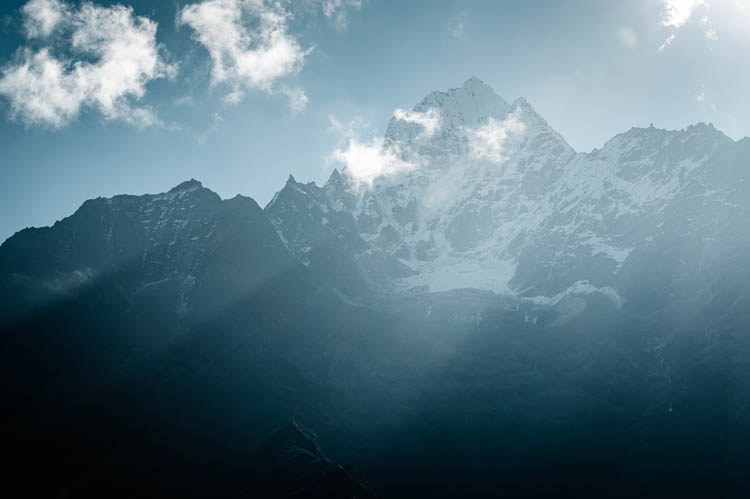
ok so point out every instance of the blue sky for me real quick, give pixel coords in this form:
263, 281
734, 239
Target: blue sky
241, 93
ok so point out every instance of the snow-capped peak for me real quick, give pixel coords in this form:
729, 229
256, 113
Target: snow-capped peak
477, 176
477, 86
187, 185
457, 108
496, 198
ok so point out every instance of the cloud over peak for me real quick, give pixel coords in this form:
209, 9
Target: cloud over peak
367, 161
364, 161
429, 120
488, 141
111, 54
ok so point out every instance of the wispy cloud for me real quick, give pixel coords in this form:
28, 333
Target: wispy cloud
459, 28
109, 56
185, 100
429, 120
667, 42
215, 124
365, 160
677, 13
41, 17
703, 100
488, 142
338, 10
250, 44
709, 31
297, 98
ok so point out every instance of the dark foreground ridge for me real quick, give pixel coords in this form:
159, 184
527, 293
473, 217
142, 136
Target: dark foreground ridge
291, 464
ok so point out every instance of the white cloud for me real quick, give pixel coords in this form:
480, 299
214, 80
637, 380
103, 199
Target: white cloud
185, 100
488, 142
366, 160
428, 120
338, 10
112, 56
667, 42
297, 98
709, 31
249, 43
679, 12
627, 37
215, 124
352, 129
41, 17
700, 97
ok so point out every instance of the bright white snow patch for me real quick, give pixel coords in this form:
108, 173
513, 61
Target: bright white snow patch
448, 273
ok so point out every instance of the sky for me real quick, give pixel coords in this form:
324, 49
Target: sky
103, 98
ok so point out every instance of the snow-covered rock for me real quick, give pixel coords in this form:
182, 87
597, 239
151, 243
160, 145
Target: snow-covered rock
499, 201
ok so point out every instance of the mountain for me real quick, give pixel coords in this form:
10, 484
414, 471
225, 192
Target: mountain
501, 202
169, 241
498, 316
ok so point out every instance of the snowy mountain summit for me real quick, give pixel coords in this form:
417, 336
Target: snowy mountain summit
488, 196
